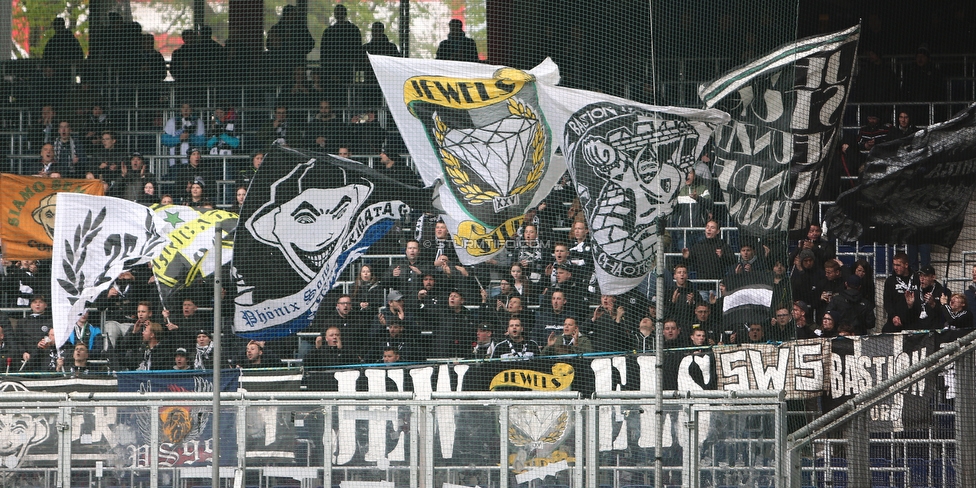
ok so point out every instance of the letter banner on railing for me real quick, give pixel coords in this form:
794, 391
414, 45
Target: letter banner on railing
798, 367
861, 363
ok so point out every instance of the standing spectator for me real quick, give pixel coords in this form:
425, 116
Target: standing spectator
822, 249
182, 333
142, 348
848, 307
203, 352
109, 157
378, 45
457, 46
186, 65
69, 153
367, 291
924, 303
581, 250
123, 304
749, 269
79, 361
711, 256
135, 176
970, 292
897, 287
37, 324
484, 346
340, 53
276, 130
454, 327
870, 134
329, 350
923, 82
222, 138
180, 361
183, 132
781, 326
955, 315
325, 130
550, 318
516, 346
903, 129
606, 329
571, 341
682, 298
254, 356
62, 51
44, 356
806, 278
405, 274
693, 209
197, 170
247, 174
47, 127
289, 42
396, 337
46, 165
644, 336
98, 123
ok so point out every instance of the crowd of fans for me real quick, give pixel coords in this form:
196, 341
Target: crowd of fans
537, 298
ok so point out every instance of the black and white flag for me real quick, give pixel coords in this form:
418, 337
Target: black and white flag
787, 108
305, 219
913, 191
627, 161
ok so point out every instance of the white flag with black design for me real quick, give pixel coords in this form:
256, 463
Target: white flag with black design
627, 161
93, 243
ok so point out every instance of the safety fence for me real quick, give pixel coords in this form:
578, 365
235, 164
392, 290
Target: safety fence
492, 439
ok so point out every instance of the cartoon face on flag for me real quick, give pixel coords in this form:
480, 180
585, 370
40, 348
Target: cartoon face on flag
307, 227
305, 220
479, 134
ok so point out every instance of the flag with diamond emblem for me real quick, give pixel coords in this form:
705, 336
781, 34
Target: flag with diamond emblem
478, 135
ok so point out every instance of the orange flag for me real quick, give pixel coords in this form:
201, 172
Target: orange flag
27, 204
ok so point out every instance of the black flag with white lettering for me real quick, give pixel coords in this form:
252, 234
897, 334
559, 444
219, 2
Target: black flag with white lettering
913, 190
861, 363
787, 108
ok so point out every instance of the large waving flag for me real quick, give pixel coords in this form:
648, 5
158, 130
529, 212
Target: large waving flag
627, 161
28, 206
306, 218
915, 190
479, 134
93, 243
787, 108
102, 236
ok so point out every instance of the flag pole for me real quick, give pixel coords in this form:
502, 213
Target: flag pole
659, 353
215, 423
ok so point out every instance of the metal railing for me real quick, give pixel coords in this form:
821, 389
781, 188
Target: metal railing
436, 438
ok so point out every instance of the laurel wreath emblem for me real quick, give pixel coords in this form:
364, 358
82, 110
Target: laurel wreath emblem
76, 252
517, 438
472, 192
